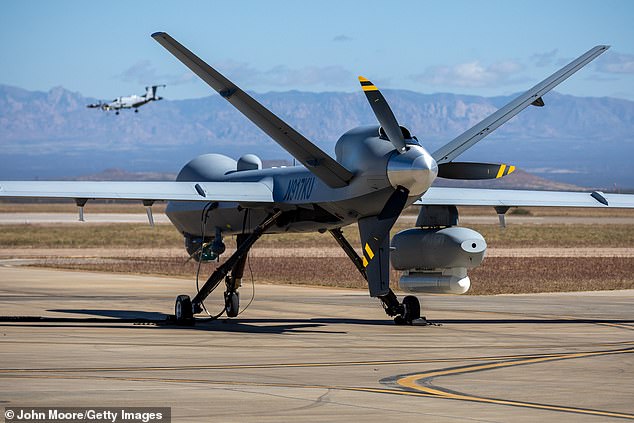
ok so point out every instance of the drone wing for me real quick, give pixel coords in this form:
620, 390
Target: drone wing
522, 198
531, 97
247, 192
318, 162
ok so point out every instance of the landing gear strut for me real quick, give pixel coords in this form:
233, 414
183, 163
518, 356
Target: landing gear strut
403, 313
234, 281
185, 309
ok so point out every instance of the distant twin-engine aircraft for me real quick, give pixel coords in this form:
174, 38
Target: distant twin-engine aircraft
131, 102
377, 172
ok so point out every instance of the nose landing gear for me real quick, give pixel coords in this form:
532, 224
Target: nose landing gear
405, 313
232, 303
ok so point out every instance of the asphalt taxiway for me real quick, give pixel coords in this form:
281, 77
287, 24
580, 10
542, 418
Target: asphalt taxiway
313, 354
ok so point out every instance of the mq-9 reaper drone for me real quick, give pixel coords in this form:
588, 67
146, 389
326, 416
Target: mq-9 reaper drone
378, 171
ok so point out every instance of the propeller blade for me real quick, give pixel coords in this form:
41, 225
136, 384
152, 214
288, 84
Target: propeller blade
375, 242
382, 224
474, 171
383, 114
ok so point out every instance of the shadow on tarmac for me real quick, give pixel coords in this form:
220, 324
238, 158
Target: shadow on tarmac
137, 318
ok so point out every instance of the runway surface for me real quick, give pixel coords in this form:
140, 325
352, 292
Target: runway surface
311, 354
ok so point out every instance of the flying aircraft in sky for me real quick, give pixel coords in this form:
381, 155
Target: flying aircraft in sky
131, 102
378, 171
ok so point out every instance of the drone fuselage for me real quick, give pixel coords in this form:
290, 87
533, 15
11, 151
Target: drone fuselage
309, 205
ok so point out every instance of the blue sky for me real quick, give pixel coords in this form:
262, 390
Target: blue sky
104, 49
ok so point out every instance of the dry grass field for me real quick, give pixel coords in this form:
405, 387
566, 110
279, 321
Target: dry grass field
273, 260
132, 235
498, 275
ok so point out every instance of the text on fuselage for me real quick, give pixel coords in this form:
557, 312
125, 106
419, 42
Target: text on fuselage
299, 189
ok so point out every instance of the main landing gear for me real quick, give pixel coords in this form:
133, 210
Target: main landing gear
185, 309
405, 313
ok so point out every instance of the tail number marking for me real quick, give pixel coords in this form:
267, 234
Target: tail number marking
299, 189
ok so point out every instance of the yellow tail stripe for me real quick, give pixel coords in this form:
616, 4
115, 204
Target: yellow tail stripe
363, 79
369, 88
501, 171
511, 170
365, 262
369, 251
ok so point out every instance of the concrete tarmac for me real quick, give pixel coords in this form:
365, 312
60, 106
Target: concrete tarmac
313, 354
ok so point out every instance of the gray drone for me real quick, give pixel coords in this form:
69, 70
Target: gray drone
378, 171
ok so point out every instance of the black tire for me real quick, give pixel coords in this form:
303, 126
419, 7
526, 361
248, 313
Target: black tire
183, 310
232, 304
412, 308
399, 321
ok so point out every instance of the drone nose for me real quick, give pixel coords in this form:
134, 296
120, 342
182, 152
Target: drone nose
415, 170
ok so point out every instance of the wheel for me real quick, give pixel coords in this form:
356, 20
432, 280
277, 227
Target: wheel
136, 110
412, 308
183, 310
399, 321
232, 303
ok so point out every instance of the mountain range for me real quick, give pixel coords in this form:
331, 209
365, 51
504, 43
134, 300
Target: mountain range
585, 141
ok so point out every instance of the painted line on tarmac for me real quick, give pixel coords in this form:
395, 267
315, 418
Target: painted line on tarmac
386, 391
422, 382
412, 383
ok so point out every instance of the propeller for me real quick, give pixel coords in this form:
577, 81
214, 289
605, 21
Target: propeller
394, 132
375, 230
473, 171
383, 114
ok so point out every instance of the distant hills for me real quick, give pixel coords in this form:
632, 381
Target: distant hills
517, 180
576, 140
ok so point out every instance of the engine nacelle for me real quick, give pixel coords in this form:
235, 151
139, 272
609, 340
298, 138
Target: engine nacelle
435, 261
